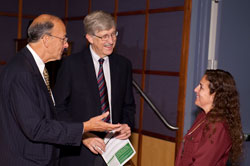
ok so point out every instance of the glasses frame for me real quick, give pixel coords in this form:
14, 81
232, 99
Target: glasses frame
107, 36
65, 39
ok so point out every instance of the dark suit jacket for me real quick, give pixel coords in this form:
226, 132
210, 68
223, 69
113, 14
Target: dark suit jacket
28, 131
77, 97
200, 149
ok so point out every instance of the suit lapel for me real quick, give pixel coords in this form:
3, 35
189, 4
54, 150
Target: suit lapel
34, 68
89, 71
114, 76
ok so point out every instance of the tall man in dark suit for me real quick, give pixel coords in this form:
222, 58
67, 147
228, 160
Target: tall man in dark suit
81, 97
29, 132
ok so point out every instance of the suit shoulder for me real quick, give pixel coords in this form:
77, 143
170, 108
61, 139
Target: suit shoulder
72, 57
76, 57
17, 63
121, 59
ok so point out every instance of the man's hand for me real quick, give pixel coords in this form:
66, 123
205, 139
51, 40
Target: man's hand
96, 124
123, 132
94, 143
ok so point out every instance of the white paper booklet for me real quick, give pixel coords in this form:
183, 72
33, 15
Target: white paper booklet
118, 152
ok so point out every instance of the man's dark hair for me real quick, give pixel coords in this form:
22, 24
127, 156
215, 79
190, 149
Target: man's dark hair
36, 31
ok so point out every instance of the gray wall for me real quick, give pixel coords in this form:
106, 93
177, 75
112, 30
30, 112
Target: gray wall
234, 54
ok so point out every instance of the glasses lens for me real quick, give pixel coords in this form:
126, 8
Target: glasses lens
105, 37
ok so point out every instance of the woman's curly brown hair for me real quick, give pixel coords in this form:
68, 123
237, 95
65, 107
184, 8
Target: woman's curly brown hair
226, 107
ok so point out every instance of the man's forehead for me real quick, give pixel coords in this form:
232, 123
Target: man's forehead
107, 31
59, 26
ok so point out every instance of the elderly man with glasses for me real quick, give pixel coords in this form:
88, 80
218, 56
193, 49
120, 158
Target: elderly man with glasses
91, 83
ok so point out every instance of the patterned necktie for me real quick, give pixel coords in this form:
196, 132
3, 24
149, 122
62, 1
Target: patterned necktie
103, 90
46, 78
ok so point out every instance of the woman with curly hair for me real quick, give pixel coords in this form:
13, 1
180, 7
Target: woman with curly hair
216, 134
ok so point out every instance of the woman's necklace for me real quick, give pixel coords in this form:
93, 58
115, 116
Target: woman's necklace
189, 133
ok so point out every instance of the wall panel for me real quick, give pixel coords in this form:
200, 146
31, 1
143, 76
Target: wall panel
25, 25
164, 41
55, 7
157, 152
108, 6
163, 91
154, 4
75, 33
9, 6
131, 5
134, 141
130, 41
78, 8
8, 33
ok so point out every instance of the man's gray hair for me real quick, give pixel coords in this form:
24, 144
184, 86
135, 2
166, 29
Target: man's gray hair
98, 21
36, 31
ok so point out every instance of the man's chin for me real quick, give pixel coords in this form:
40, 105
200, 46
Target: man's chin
107, 53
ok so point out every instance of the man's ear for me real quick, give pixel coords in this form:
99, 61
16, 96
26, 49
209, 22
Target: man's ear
45, 39
89, 38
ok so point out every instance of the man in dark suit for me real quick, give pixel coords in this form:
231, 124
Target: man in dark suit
29, 132
79, 77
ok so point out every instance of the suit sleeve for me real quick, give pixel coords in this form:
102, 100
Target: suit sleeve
212, 150
129, 102
31, 111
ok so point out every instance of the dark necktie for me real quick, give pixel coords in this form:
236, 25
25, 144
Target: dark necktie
103, 90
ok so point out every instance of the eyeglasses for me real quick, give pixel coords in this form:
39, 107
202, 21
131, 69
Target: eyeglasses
107, 36
65, 39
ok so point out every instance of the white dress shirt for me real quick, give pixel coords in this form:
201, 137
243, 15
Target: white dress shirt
40, 64
106, 70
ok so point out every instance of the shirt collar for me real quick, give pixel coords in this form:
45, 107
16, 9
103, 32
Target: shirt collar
38, 60
95, 56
